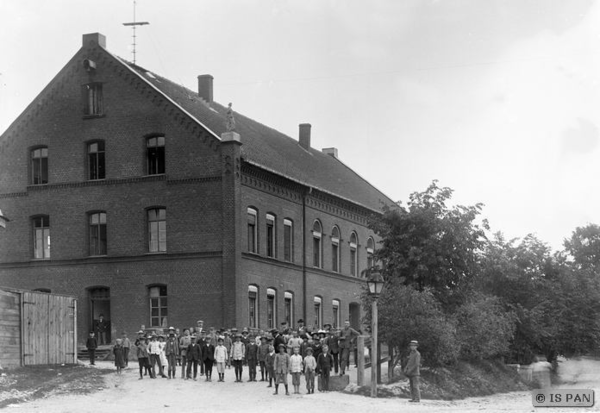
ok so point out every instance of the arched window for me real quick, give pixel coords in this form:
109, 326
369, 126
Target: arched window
252, 306
336, 313
370, 252
288, 240
271, 235
318, 311
39, 166
155, 155
317, 245
289, 307
252, 230
353, 254
335, 249
158, 306
271, 308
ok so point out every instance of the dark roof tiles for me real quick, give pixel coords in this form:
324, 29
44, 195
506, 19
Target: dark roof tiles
272, 150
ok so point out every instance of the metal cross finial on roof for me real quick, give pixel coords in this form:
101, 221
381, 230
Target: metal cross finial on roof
133, 25
230, 122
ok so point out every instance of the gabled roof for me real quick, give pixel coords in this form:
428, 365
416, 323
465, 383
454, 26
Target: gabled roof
272, 150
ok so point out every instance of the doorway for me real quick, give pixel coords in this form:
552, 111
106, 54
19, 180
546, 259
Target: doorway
100, 306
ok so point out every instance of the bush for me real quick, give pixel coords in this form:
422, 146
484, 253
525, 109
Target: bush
407, 314
484, 329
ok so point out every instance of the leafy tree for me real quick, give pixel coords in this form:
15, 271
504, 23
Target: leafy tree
584, 246
431, 245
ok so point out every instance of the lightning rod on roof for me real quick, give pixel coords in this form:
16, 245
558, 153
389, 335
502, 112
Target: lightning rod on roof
133, 25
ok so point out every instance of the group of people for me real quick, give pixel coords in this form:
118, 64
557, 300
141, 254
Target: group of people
277, 353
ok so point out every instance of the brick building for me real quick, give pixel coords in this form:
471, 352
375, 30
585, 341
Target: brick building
132, 194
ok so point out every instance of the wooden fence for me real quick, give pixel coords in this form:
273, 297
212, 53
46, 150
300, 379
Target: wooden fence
37, 328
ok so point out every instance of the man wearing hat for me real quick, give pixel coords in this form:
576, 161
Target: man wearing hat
347, 336
411, 370
193, 355
184, 343
334, 348
171, 352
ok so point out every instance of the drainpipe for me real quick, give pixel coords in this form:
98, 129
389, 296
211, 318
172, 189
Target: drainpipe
304, 232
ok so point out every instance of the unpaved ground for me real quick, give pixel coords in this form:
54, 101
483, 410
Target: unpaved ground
127, 393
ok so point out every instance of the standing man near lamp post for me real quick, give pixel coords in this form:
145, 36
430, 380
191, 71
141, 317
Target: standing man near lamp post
411, 370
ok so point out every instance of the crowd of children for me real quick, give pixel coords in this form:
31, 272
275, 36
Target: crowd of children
276, 353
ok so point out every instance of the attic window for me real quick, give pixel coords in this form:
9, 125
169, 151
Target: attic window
92, 99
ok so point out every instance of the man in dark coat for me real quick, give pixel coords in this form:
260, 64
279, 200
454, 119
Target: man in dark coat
193, 355
347, 335
411, 370
101, 329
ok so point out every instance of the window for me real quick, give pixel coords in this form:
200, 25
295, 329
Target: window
353, 254
157, 230
252, 231
97, 232
318, 312
336, 313
155, 155
271, 236
39, 166
289, 308
41, 237
271, 308
288, 240
370, 252
252, 310
317, 252
96, 160
92, 99
158, 306
335, 249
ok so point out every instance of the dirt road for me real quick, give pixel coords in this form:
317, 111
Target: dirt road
126, 393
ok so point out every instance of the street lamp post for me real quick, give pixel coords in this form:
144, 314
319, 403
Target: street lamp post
375, 284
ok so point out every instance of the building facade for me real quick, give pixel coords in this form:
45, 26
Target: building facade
154, 205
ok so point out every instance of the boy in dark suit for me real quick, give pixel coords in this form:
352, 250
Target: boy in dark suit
91, 345
208, 358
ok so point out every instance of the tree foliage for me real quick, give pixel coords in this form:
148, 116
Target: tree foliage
431, 245
463, 295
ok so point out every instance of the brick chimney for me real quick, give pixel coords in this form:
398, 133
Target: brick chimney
92, 39
304, 137
205, 87
331, 152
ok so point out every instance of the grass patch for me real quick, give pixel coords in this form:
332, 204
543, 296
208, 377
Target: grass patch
35, 382
465, 379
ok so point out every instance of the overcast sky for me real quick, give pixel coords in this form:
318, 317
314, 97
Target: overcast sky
497, 99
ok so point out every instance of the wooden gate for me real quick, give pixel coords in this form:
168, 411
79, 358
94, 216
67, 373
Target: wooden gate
48, 329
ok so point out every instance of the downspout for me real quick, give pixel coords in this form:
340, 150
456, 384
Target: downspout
304, 232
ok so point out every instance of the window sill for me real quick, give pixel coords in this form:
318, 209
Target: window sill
156, 253
101, 115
